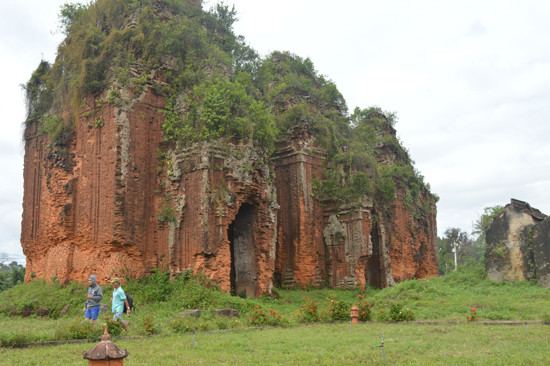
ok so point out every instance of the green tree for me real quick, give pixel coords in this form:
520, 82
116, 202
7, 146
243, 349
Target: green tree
17, 274
480, 228
11, 274
468, 253
454, 238
69, 14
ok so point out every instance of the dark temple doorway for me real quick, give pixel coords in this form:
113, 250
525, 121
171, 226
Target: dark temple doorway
241, 243
373, 270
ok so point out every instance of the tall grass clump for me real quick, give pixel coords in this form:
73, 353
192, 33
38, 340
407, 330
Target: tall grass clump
451, 297
182, 292
25, 300
77, 328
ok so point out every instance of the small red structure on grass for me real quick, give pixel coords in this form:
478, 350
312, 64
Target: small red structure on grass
354, 314
105, 353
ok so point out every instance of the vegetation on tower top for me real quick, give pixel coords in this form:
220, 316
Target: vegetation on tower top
217, 87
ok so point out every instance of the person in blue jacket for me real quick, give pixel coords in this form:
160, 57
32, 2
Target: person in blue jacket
93, 299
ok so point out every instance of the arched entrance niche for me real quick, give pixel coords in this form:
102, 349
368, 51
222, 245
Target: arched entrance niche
243, 259
373, 270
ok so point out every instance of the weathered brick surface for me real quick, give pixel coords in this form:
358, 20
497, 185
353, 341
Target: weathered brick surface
93, 218
413, 244
300, 253
518, 248
116, 206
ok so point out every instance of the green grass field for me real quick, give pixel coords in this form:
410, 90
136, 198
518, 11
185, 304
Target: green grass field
510, 330
320, 344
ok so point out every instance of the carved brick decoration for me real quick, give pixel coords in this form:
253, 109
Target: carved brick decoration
120, 201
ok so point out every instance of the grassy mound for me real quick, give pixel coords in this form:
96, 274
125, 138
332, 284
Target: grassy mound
159, 299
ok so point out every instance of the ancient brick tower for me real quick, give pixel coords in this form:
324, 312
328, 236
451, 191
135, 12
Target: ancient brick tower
244, 220
107, 193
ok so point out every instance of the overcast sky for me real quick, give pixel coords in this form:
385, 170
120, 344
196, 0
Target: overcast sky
469, 81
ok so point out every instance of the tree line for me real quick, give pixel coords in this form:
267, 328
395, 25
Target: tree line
10, 274
470, 248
